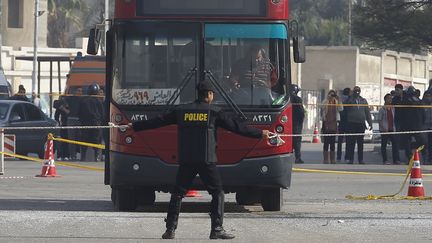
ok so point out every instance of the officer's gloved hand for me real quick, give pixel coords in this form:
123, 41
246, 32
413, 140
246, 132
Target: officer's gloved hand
266, 134
125, 126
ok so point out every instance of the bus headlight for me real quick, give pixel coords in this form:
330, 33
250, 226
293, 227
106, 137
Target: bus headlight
273, 141
128, 140
135, 167
283, 119
279, 129
264, 169
118, 118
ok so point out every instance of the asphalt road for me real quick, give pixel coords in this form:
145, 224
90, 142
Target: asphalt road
76, 207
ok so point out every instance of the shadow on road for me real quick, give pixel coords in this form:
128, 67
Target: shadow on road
196, 207
106, 206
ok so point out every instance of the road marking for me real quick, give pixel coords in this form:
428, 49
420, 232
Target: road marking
12, 177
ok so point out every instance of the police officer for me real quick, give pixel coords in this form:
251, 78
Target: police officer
197, 126
298, 118
413, 119
91, 114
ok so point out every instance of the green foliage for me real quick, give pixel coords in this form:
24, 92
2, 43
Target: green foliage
60, 13
399, 25
324, 22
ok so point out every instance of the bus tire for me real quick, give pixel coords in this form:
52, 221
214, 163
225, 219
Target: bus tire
146, 197
124, 200
272, 199
247, 197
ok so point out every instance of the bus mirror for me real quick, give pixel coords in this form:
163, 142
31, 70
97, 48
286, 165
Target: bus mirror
93, 42
299, 49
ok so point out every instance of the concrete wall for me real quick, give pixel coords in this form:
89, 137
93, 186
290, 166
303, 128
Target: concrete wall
375, 73
330, 67
18, 37
369, 72
406, 69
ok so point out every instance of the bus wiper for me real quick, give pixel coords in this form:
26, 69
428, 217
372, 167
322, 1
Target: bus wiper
225, 96
182, 85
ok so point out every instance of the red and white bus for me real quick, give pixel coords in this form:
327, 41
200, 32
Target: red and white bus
157, 52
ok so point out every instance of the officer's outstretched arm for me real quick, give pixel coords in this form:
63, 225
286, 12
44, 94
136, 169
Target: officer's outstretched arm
238, 127
156, 122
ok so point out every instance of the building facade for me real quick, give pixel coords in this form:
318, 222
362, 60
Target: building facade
17, 28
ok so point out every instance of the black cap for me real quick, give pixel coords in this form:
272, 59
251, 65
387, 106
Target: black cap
205, 85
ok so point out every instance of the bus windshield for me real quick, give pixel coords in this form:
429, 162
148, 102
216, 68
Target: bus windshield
151, 60
248, 60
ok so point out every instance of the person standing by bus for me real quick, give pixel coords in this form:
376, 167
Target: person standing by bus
197, 126
298, 118
358, 114
330, 118
346, 93
61, 116
387, 124
91, 114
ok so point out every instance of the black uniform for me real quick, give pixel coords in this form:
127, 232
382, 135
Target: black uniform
298, 118
413, 120
197, 142
90, 114
61, 116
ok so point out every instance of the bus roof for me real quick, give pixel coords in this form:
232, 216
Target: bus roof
202, 9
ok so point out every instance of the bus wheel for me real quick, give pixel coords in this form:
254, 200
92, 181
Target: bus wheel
247, 197
124, 199
272, 199
146, 197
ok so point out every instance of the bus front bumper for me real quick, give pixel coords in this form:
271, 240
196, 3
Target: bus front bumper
139, 171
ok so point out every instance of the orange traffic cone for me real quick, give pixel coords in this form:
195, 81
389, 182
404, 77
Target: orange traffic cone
415, 188
316, 138
192, 193
48, 168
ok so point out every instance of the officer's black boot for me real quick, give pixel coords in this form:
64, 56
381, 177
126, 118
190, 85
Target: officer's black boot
217, 212
172, 216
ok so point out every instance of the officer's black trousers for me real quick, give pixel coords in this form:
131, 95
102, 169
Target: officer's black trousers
90, 136
211, 178
297, 129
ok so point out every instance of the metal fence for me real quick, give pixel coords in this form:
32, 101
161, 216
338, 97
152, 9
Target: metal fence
311, 100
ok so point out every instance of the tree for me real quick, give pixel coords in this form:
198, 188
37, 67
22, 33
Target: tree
400, 25
324, 22
60, 12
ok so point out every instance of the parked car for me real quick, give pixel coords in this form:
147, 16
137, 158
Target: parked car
372, 136
15, 113
5, 87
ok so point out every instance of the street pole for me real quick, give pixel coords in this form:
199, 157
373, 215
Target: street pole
1, 32
35, 45
106, 15
349, 22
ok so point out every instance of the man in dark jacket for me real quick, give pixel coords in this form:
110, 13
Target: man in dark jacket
61, 115
357, 113
197, 126
346, 93
91, 114
298, 118
413, 119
